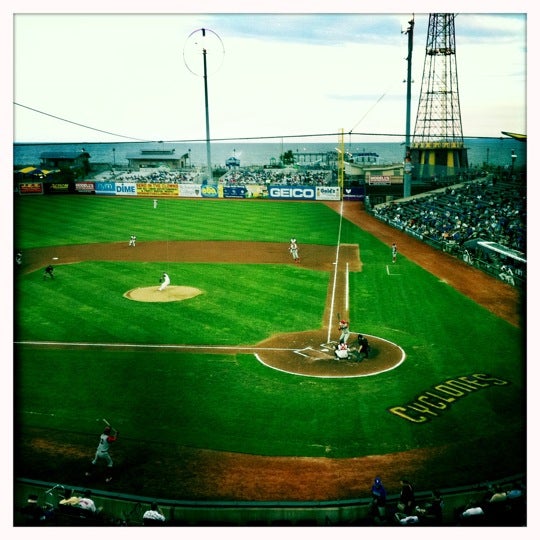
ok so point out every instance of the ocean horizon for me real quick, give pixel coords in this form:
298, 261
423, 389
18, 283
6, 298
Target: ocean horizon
493, 151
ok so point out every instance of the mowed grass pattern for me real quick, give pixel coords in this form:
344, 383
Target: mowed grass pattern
232, 402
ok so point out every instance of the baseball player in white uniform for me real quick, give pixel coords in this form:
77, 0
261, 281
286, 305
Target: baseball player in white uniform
102, 452
345, 332
342, 351
132, 240
293, 248
165, 281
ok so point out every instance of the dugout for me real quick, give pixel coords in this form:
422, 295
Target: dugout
491, 257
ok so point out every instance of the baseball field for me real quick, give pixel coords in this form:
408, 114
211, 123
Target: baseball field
225, 388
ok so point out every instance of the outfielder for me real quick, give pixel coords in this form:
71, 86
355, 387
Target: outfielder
165, 281
345, 332
293, 248
102, 452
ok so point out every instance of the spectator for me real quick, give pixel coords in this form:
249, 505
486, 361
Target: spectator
432, 511
154, 516
471, 515
69, 498
86, 503
499, 495
34, 513
406, 503
378, 494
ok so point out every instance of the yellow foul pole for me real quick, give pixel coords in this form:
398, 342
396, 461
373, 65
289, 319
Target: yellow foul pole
341, 162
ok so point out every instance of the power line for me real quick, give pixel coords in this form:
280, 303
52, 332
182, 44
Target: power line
76, 123
251, 138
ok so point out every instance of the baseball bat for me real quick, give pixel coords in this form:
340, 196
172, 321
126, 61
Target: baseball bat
106, 422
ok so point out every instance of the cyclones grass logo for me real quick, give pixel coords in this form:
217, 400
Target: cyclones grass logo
433, 402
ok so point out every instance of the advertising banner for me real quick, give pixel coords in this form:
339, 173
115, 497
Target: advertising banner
30, 188
189, 190
105, 188
85, 187
157, 189
379, 181
210, 190
300, 193
125, 188
234, 192
256, 191
60, 187
355, 193
328, 193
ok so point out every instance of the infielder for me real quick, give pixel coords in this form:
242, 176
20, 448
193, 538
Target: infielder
48, 272
293, 248
165, 281
102, 452
345, 332
132, 240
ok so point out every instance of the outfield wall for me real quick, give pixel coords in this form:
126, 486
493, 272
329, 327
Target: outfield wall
193, 190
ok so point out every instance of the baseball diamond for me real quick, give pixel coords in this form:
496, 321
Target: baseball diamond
201, 473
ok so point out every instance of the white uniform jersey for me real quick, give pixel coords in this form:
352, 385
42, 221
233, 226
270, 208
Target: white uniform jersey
103, 445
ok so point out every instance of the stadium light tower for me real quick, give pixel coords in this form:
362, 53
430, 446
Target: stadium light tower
204, 41
437, 148
407, 166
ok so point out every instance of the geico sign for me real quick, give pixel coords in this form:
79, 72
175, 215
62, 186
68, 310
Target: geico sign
292, 192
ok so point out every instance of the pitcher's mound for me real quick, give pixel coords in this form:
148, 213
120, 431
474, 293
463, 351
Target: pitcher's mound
173, 293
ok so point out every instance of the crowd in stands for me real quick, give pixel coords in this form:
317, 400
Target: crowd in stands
277, 176
233, 177
483, 209
162, 176
502, 504
489, 505
494, 212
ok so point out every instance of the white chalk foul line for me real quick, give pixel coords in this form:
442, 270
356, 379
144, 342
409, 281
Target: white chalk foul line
150, 346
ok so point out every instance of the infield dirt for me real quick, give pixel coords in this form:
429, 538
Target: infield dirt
169, 471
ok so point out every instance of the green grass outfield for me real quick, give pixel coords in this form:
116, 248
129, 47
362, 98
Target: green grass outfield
231, 401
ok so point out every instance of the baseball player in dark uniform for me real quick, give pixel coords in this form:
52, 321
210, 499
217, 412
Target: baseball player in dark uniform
48, 272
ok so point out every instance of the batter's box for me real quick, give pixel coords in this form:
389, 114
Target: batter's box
391, 272
312, 354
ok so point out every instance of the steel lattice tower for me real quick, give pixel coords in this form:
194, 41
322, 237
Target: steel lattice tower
437, 149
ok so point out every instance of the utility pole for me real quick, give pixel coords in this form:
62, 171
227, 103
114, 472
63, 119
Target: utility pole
407, 166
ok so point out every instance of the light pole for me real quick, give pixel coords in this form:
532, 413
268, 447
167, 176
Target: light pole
114, 157
204, 41
408, 165
513, 157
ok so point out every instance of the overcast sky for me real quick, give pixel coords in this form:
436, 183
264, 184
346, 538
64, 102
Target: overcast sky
130, 76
